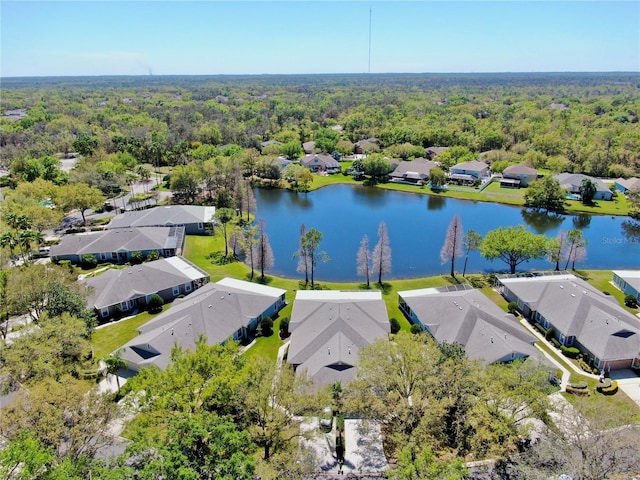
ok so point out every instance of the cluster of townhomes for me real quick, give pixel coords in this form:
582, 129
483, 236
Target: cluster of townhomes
328, 328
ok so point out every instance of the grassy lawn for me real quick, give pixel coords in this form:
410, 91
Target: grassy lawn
617, 206
601, 279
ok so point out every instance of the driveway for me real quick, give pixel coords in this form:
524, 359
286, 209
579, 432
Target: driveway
628, 382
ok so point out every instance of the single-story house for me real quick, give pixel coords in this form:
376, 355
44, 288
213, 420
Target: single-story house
628, 281
321, 163
572, 182
308, 147
129, 289
579, 314
118, 244
195, 219
270, 142
478, 170
461, 314
228, 309
520, 175
415, 172
328, 329
366, 146
433, 152
627, 184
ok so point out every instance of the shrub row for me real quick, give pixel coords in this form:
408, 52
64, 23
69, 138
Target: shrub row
582, 392
571, 352
610, 390
586, 367
540, 328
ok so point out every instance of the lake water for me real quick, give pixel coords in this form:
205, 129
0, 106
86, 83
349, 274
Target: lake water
417, 226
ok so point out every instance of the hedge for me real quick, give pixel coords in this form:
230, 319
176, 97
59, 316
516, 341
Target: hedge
540, 328
581, 392
555, 343
571, 352
610, 390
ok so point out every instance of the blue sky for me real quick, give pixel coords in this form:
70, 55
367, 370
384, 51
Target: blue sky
40, 38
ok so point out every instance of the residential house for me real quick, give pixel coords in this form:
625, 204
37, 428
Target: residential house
118, 244
226, 310
328, 329
461, 314
572, 181
516, 176
308, 147
469, 172
628, 281
129, 289
415, 172
270, 142
366, 146
579, 315
625, 185
321, 163
195, 219
433, 152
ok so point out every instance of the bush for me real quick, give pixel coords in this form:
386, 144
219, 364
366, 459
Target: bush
540, 328
556, 343
284, 326
608, 390
583, 392
395, 325
155, 303
153, 255
415, 328
89, 261
266, 326
570, 352
631, 301
512, 307
579, 385
136, 257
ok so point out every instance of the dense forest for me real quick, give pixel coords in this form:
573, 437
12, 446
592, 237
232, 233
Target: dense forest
564, 122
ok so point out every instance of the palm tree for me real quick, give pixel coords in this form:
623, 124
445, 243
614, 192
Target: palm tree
114, 363
9, 240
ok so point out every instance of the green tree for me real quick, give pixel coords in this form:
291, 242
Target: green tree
437, 178
195, 446
114, 363
420, 463
79, 196
86, 145
588, 191
291, 150
377, 168
224, 216
155, 303
513, 245
471, 242
326, 140
309, 244
546, 194
575, 246
299, 177
454, 155
185, 182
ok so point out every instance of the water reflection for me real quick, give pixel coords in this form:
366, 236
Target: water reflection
631, 231
435, 202
542, 222
581, 221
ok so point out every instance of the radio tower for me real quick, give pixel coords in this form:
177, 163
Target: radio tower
369, 39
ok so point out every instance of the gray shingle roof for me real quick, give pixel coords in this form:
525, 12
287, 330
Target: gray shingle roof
575, 308
122, 239
217, 311
328, 328
520, 169
572, 181
166, 215
466, 316
629, 183
473, 166
419, 168
326, 161
118, 285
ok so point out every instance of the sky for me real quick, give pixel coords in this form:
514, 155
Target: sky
53, 38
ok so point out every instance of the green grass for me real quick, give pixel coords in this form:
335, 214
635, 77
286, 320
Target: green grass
108, 339
617, 206
601, 279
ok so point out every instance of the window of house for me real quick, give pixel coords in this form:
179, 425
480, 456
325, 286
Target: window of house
200, 226
176, 290
187, 287
562, 339
103, 256
569, 340
104, 312
124, 306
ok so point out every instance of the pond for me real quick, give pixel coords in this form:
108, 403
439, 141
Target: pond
417, 226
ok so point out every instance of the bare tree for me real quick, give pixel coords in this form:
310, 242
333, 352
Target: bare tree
303, 259
235, 239
249, 242
452, 247
363, 259
555, 247
381, 258
576, 248
472, 241
264, 254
